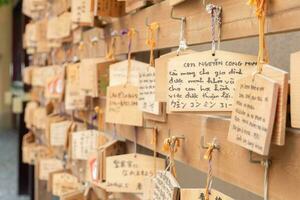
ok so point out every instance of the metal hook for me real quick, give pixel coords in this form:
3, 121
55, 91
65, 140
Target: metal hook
182, 40
176, 18
255, 161
205, 146
265, 162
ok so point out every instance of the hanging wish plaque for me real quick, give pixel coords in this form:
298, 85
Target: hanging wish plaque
126, 173
205, 82
84, 143
165, 187
295, 90
161, 74
118, 72
147, 102
122, 106
253, 115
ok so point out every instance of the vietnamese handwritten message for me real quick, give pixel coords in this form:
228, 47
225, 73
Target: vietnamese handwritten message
202, 82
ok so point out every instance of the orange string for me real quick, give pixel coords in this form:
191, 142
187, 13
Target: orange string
150, 42
261, 9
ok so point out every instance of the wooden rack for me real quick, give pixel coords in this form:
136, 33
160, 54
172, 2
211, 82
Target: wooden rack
231, 163
238, 21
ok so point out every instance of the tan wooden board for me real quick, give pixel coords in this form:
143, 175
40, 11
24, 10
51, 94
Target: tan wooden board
29, 110
73, 98
281, 78
253, 114
122, 106
55, 85
162, 117
81, 13
59, 133
108, 8
161, 72
46, 166
84, 143
64, 183
59, 27
94, 45
78, 195
132, 5
205, 82
175, 2
165, 187
126, 173
194, 194
118, 72
147, 102
42, 43
231, 163
93, 76
295, 89
238, 21
111, 148
92, 167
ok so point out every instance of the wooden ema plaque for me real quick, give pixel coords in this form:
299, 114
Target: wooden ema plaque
40, 75
161, 74
281, 78
59, 27
126, 173
118, 73
81, 14
295, 89
92, 167
122, 106
203, 82
59, 133
77, 195
73, 98
83, 143
165, 187
199, 194
28, 144
111, 148
64, 183
94, 76
252, 119
39, 118
46, 166
147, 102
42, 43
108, 8
55, 85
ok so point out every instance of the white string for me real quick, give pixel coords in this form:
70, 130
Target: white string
266, 180
215, 12
182, 42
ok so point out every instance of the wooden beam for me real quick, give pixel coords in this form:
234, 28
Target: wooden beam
238, 21
231, 163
